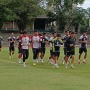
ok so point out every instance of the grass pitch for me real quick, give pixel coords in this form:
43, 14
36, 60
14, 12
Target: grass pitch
42, 76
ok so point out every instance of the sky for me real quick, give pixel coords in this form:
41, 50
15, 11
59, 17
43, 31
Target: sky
85, 5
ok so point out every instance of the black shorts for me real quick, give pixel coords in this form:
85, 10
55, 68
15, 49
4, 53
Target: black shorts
81, 50
19, 50
51, 52
65, 51
56, 54
36, 50
11, 48
42, 50
70, 53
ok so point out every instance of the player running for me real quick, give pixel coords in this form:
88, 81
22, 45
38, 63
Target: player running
35, 46
25, 42
83, 47
42, 46
1, 42
11, 41
65, 37
70, 45
56, 43
51, 52
19, 39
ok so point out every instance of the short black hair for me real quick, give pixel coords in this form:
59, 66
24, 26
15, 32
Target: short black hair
66, 31
24, 32
84, 31
58, 35
21, 32
35, 30
44, 33
40, 34
72, 32
54, 33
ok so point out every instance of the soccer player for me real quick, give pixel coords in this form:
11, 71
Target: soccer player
56, 43
35, 46
70, 45
42, 47
65, 37
25, 42
19, 38
11, 41
51, 52
1, 41
83, 46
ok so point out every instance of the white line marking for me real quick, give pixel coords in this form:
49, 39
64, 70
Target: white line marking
12, 62
8, 61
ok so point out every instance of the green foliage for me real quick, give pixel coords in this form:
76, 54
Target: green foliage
22, 11
68, 15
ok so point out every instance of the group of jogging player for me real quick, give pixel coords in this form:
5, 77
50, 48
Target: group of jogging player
38, 44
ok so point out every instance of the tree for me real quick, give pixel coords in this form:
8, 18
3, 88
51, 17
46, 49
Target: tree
5, 13
24, 10
66, 13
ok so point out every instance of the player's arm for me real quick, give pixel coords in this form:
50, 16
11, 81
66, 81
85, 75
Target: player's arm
9, 40
61, 42
63, 39
67, 43
80, 40
1, 40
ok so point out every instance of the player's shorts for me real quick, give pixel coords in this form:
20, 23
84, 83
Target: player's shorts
70, 53
35, 50
51, 52
81, 50
39, 50
42, 50
11, 48
56, 54
65, 51
19, 50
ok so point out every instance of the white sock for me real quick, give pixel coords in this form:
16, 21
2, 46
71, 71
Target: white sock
71, 64
84, 60
24, 63
34, 60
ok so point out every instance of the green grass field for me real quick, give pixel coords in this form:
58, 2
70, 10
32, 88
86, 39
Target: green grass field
42, 76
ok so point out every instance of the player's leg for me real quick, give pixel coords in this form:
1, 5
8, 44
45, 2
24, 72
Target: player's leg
66, 58
10, 50
63, 60
12, 53
27, 54
72, 60
51, 58
35, 54
50, 55
42, 54
19, 55
38, 55
57, 57
80, 53
24, 54
85, 55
